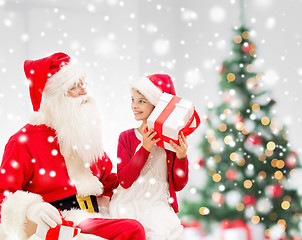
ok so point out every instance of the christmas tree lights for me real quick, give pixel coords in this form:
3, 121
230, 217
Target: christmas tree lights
247, 156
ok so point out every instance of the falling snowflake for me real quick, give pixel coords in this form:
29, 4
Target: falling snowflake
52, 173
161, 46
42, 171
217, 14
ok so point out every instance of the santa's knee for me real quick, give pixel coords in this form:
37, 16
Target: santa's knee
137, 228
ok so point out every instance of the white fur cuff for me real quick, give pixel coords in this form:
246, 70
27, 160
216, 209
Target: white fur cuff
148, 89
83, 236
13, 213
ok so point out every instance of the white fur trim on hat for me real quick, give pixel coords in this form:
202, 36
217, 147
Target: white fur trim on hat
64, 79
14, 212
148, 89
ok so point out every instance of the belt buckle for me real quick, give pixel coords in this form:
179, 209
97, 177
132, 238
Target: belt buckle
85, 203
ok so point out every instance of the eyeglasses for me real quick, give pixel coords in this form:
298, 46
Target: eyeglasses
79, 87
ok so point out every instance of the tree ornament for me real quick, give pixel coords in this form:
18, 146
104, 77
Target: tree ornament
222, 69
218, 198
238, 119
200, 162
249, 200
227, 97
246, 47
231, 174
241, 144
291, 160
275, 190
253, 139
264, 205
254, 143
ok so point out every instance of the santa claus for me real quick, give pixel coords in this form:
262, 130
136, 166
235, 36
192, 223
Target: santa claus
57, 161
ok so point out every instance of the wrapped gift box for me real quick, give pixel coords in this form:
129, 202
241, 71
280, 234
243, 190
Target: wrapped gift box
193, 231
65, 231
235, 230
170, 116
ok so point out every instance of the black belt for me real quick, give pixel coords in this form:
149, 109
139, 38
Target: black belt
88, 203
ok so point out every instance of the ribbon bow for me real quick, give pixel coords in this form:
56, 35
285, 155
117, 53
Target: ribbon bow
54, 233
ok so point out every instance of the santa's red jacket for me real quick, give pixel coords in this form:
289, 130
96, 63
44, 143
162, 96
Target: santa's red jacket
34, 170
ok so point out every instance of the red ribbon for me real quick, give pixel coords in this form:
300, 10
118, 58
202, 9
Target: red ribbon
158, 124
54, 233
238, 223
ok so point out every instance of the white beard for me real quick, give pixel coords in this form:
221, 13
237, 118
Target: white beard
77, 123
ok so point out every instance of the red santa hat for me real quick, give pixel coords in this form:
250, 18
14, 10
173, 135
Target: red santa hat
153, 86
55, 70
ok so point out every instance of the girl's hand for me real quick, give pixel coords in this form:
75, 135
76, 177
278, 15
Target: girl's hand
148, 138
181, 149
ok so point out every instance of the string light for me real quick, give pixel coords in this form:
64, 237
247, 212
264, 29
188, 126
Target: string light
255, 219
274, 162
234, 156
249, 68
271, 146
262, 157
245, 34
204, 211
280, 164
216, 177
268, 153
282, 223
240, 126
255, 107
231, 77
278, 175
237, 39
262, 175
247, 184
228, 139
285, 205
265, 120
241, 162
217, 158
240, 207
223, 127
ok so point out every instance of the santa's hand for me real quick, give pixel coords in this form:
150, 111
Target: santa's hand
44, 214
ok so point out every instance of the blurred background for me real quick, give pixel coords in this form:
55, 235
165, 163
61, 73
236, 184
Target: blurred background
117, 41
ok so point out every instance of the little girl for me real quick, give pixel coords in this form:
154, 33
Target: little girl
149, 175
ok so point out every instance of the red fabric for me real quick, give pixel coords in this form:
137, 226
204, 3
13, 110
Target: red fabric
163, 82
131, 164
159, 122
38, 71
54, 233
29, 151
238, 223
113, 229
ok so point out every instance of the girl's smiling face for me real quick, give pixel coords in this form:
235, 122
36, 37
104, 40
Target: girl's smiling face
140, 106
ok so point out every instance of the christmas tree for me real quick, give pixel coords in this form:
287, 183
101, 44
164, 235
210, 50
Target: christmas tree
247, 156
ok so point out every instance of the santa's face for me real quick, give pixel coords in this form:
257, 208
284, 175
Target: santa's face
78, 89
76, 119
